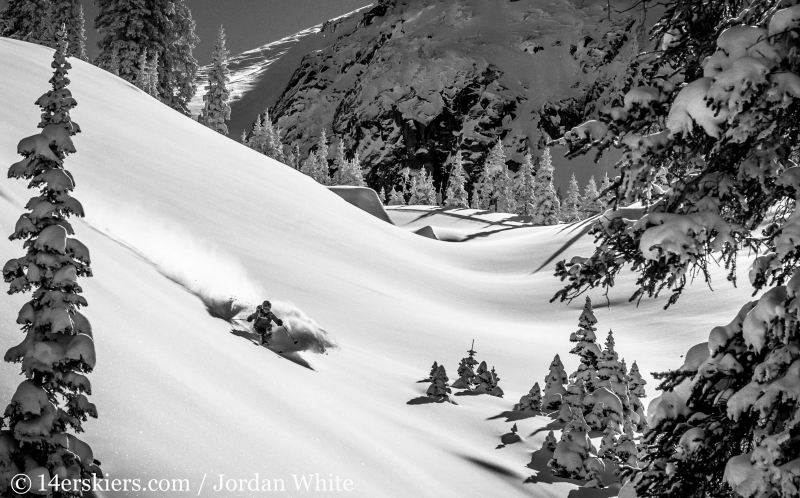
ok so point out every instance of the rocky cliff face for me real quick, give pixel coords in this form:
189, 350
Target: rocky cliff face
406, 82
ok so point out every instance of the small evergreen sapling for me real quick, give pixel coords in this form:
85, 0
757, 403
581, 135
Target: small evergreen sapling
438, 388
466, 370
550, 442
554, 389
532, 402
487, 381
434, 368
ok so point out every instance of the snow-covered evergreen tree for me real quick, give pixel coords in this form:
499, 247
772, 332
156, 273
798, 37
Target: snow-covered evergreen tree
525, 188
590, 203
487, 381
506, 203
554, 389
339, 163
355, 173
466, 371
28, 20
152, 71
584, 380
112, 63
490, 187
316, 165
585, 338
70, 14
143, 73
547, 208
422, 191
178, 63
58, 349
609, 441
607, 198
438, 388
635, 382
572, 457
215, 102
456, 194
571, 209
550, 442
576, 391
396, 198
434, 368
382, 196
532, 401
294, 157
162, 27
347, 172
717, 109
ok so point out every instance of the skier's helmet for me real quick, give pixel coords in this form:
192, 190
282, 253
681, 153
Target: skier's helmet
266, 304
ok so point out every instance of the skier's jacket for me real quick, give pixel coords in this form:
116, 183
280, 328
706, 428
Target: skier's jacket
263, 319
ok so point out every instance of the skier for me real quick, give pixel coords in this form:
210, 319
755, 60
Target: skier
264, 317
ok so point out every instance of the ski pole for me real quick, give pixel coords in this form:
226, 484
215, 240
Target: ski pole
290, 334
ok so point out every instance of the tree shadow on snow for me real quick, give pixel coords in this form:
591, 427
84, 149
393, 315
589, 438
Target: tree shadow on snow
538, 463
508, 438
425, 400
514, 415
582, 228
553, 425
293, 357
491, 467
606, 492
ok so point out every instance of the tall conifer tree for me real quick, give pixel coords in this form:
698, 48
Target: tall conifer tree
161, 27
58, 349
216, 109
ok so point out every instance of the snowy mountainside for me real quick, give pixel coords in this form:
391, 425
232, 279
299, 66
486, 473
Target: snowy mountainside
413, 79
258, 76
181, 396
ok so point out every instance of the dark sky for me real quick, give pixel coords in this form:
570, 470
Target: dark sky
248, 23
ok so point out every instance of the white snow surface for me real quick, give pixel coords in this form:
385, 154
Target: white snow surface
180, 396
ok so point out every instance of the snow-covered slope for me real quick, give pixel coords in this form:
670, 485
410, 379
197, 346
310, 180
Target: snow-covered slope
258, 76
181, 397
